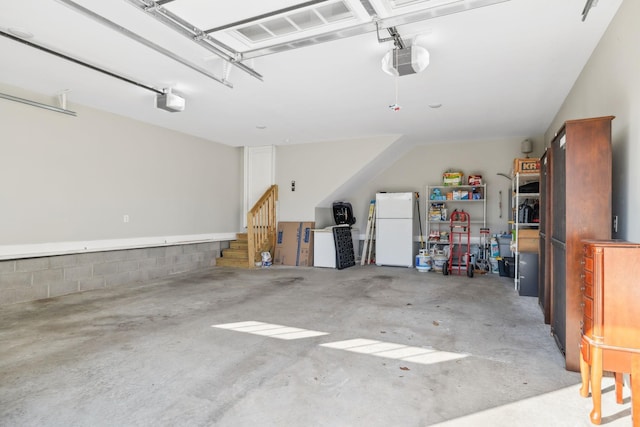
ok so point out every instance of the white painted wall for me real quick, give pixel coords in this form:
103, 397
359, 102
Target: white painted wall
73, 178
425, 164
319, 170
66, 178
610, 85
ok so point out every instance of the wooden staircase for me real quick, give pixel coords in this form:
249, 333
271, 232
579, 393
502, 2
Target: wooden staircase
246, 250
237, 255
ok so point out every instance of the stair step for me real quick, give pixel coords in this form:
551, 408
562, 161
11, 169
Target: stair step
239, 244
232, 262
235, 253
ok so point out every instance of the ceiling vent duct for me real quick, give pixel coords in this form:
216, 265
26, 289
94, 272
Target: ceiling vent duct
408, 60
169, 101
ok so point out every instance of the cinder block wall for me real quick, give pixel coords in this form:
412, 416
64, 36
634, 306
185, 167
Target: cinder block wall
31, 279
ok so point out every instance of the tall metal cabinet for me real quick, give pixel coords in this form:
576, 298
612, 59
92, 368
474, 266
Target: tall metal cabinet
544, 263
579, 208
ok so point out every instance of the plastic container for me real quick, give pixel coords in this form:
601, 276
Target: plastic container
266, 259
423, 261
507, 267
495, 247
494, 265
439, 261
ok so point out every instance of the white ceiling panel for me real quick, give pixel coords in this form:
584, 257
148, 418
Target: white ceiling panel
208, 14
500, 70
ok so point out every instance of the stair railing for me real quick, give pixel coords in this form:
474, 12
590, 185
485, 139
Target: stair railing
261, 225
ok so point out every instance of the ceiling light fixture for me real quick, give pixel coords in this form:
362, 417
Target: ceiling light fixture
402, 60
410, 60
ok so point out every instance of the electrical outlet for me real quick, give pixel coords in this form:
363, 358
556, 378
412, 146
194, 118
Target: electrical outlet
125, 218
293, 186
615, 223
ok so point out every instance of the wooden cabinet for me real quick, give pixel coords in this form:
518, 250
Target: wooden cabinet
579, 202
611, 319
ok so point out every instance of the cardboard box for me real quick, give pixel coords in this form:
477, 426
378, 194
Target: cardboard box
475, 180
294, 244
529, 165
528, 240
531, 233
452, 178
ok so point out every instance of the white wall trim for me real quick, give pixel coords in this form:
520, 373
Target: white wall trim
62, 248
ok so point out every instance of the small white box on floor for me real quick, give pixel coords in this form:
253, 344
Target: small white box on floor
324, 246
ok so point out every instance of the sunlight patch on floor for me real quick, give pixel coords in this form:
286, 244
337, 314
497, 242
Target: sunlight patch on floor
552, 409
425, 356
270, 330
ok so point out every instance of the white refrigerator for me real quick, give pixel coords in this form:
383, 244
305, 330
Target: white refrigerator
395, 229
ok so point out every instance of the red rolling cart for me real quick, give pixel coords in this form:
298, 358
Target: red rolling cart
459, 245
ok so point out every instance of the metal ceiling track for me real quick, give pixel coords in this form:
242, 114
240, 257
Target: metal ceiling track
79, 62
394, 36
102, 20
37, 104
195, 34
374, 25
587, 8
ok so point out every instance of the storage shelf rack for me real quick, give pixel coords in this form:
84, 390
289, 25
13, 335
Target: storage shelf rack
518, 198
451, 198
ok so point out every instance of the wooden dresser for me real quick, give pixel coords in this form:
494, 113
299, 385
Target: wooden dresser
611, 319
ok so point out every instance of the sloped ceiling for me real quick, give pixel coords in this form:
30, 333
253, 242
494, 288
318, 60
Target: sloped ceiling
500, 70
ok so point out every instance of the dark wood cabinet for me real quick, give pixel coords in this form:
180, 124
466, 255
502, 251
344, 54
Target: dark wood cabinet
611, 320
579, 203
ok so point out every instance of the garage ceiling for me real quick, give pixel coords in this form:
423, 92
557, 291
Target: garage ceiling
307, 71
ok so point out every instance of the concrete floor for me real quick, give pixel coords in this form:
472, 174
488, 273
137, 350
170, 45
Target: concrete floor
444, 351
